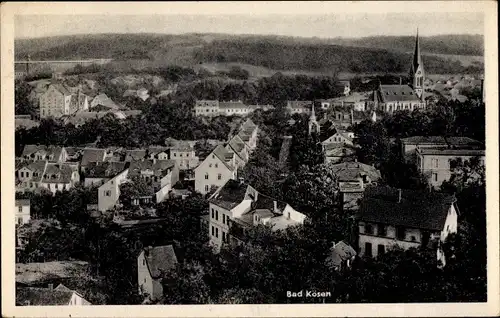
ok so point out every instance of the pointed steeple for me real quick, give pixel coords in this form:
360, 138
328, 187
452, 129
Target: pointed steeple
417, 73
417, 59
313, 124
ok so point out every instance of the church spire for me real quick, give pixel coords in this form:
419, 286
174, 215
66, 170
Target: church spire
313, 124
417, 73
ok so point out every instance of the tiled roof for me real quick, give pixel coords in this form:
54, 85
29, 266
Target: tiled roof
452, 152
265, 202
340, 252
31, 273
107, 169
440, 140
417, 209
221, 153
62, 89
339, 151
22, 202
135, 154
104, 100
160, 258
349, 171
37, 167
59, 173
92, 155
42, 297
392, 93
230, 194
48, 150
159, 167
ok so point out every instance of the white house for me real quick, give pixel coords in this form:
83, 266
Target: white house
22, 215
152, 262
55, 102
60, 176
218, 167
109, 192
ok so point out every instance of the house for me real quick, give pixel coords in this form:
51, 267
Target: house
103, 101
98, 173
248, 133
339, 152
73, 154
59, 296
236, 206
340, 136
109, 192
79, 102
241, 150
29, 175
209, 108
218, 167
406, 218
152, 262
161, 175
341, 256
22, 214
353, 178
183, 153
56, 101
158, 152
435, 164
356, 101
92, 155
299, 106
135, 155
409, 145
38, 152
345, 118
60, 176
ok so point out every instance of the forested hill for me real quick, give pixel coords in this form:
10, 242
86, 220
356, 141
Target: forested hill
373, 54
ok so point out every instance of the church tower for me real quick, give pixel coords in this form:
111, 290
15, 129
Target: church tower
417, 73
313, 124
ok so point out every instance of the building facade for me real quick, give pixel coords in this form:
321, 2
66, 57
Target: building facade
55, 102
23, 213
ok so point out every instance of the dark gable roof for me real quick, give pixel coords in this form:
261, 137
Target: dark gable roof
350, 171
421, 210
49, 150
452, 152
62, 89
393, 93
159, 167
441, 140
160, 258
265, 202
58, 173
229, 195
92, 155
221, 153
104, 169
135, 154
42, 297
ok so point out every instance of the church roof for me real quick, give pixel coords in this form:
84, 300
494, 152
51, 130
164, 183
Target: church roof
397, 93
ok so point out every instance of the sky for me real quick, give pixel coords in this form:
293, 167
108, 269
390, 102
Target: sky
328, 25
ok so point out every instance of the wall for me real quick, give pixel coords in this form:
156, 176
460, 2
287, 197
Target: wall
24, 215
162, 194
213, 166
293, 214
113, 185
54, 187
219, 221
94, 181
144, 279
77, 300
441, 172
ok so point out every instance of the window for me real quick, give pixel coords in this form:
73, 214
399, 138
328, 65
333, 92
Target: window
413, 238
206, 176
219, 176
223, 236
143, 262
380, 249
435, 177
213, 231
107, 193
19, 221
400, 233
217, 215
20, 209
368, 229
216, 165
368, 249
213, 213
216, 232
206, 187
22, 174
382, 230
175, 155
223, 218
434, 163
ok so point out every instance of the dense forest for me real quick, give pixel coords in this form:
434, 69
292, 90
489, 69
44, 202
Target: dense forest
375, 54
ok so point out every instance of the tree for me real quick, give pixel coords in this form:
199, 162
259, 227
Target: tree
185, 285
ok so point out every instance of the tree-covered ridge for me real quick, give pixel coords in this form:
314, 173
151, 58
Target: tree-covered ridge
374, 54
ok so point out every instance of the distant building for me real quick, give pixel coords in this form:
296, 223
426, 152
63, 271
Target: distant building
22, 214
299, 106
152, 262
29, 175
356, 101
183, 153
235, 207
37, 152
56, 101
409, 145
392, 98
109, 192
435, 164
353, 178
92, 155
104, 101
98, 173
60, 176
389, 217
213, 108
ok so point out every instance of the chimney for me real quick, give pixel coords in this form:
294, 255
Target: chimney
399, 195
51, 286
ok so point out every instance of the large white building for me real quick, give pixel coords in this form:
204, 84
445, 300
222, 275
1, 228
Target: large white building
213, 108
